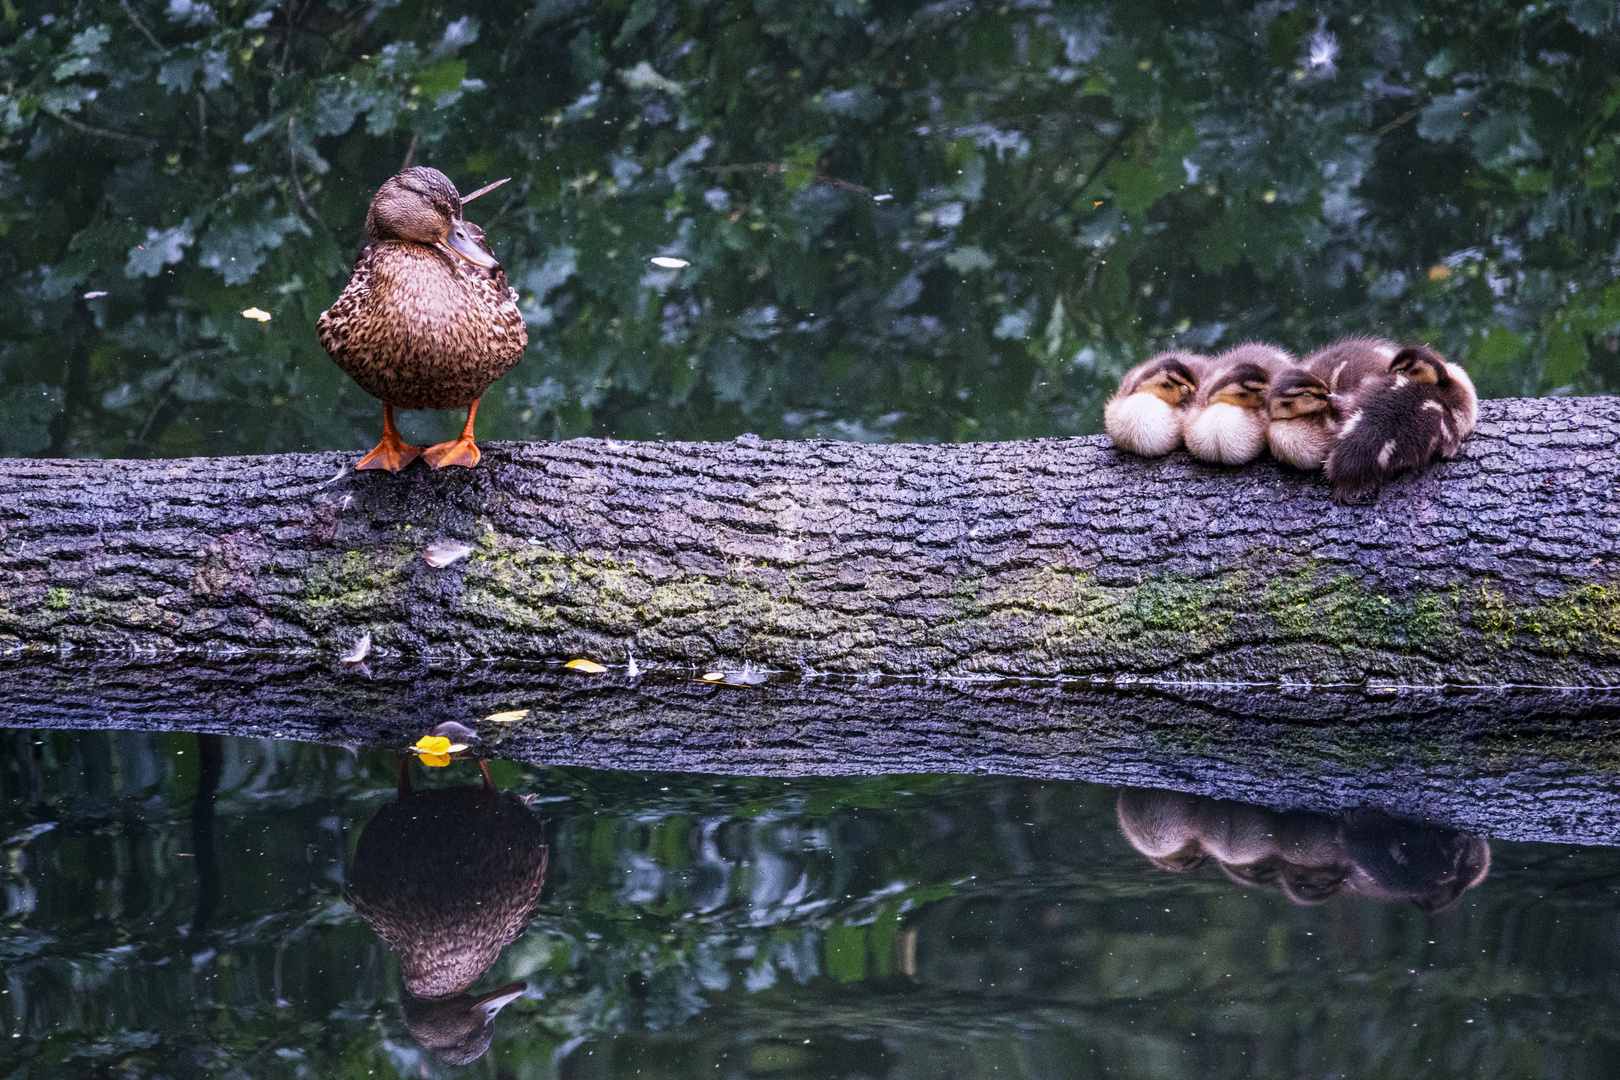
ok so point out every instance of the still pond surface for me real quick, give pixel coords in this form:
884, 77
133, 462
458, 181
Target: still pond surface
181, 905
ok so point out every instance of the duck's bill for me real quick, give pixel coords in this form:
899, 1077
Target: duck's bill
457, 242
485, 190
492, 1003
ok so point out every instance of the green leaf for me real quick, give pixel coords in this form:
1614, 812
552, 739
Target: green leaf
442, 77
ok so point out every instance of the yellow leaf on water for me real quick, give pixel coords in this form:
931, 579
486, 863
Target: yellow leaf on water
589, 667
257, 314
432, 744
506, 717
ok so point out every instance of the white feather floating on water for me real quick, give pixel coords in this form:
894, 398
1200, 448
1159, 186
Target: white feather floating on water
442, 553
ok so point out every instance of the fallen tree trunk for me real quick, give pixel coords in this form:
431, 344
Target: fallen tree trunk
1032, 559
1515, 765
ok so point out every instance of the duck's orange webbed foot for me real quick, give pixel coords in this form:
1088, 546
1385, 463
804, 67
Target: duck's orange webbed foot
459, 451
393, 453
456, 452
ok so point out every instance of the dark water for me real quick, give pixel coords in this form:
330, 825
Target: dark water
175, 906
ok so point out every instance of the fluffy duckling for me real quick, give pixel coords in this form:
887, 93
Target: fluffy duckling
1301, 418
1349, 362
1227, 420
1145, 415
1419, 411
1303, 404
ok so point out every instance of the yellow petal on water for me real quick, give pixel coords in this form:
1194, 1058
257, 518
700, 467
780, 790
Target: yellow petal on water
432, 744
589, 667
715, 676
257, 314
506, 717
435, 761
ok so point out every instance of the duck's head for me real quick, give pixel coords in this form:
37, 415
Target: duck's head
1243, 385
422, 206
1171, 377
1420, 364
1297, 393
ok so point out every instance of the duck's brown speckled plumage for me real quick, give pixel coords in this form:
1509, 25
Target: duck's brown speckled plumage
417, 328
448, 877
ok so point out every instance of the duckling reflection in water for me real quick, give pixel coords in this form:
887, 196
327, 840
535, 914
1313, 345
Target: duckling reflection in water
448, 877
1309, 856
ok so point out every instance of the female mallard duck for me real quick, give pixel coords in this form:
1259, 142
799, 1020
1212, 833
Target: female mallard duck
427, 320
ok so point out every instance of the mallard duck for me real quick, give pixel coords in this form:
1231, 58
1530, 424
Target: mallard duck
427, 320
1419, 411
1144, 416
1227, 420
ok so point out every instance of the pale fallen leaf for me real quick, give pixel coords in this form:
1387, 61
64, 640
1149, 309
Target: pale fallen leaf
664, 262
257, 314
715, 676
589, 667
442, 553
506, 717
357, 652
95, 294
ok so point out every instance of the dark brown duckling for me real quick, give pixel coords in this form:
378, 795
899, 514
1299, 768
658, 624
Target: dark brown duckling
1145, 415
427, 320
1227, 420
1305, 404
1419, 411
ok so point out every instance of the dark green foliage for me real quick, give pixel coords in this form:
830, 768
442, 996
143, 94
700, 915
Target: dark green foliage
1064, 189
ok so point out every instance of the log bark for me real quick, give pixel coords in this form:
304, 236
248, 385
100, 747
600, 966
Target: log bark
1512, 765
1046, 559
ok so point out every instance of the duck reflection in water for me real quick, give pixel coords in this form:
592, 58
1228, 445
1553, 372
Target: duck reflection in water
1309, 856
449, 877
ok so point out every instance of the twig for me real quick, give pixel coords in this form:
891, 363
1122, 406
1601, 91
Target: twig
156, 44
1397, 122
102, 132
410, 152
1102, 162
298, 186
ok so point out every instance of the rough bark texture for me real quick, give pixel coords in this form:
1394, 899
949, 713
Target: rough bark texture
1509, 765
1049, 558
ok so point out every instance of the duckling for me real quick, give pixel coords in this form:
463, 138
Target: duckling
1419, 411
1301, 418
1349, 362
427, 320
1144, 416
1227, 421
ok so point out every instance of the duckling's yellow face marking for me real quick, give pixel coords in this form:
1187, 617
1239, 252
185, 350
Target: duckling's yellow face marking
1298, 401
1418, 363
1170, 387
1248, 394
